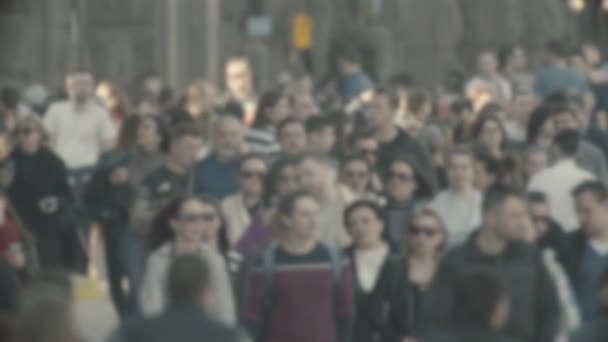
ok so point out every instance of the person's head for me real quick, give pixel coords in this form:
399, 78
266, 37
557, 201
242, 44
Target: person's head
460, 168
401, 180
252, 175
566, 143
9, 99
488, 170
229, 137
591, 53
298, 215
304, 106
282, 179
382, 109
364, 221
190, 219
186, 143
481, 300
490, 133
556, 51
426, 234
420, 104
591, 202
541, 128
151, 133
188, 281
540, 212
505, 213
366, 144
356, 174
487, 63
79, 85
201, 97
239, 77
113, 97
273, 108
513, 58
321, 134
292, 137
536, 161
348, 61
31, 134
316, 173
564, 118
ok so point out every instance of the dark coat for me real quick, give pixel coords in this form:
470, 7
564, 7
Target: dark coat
372, 307
186, 323
535, 308
9, 289
557, 240
577, 244
592, 332
468, 335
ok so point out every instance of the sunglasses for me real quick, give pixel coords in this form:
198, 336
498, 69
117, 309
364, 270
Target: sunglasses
425, 231
403, 177
253, 174
192, 218
24, 131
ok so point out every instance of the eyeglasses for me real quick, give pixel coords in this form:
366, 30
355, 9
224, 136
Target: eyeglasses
403, 177
253, 174
24, 131
425, 231
192, 218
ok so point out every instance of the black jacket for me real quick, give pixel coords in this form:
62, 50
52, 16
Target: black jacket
372, 308
43, 175
468, 335
577, 243
556, 239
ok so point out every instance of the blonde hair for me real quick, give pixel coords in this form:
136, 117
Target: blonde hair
34, 122
432, 213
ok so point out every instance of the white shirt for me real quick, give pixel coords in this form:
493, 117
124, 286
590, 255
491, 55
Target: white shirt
369, 263
499, 88
461, 215
557, 183
80, 137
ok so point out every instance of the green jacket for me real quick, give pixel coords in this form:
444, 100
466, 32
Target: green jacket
186, 323
592, 332
468, 335
535, 310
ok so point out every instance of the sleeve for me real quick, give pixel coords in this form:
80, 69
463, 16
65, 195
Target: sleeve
346, 304
152, 291
547, 306
222, 288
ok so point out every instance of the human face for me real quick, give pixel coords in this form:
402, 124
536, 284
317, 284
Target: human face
512, 219
369, 148
303, 222
239, 79
565, 121
185, 150
311, 175
323, 140
460, 172
305, 107
253, 173
229, 138
488, 64
380, 114
425, 236
365, 228
80, 86
29, 138
104, 92
491, 135
483, 179
148, 135
357, 176
537, 162
196, 221
518, 59
279, 112
592, 215
288, 180
293, 139
541, 217
401, 181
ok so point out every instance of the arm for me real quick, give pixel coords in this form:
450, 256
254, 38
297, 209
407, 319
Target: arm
152, 290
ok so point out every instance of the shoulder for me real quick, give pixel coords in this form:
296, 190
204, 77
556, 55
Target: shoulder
160, 256
231, 202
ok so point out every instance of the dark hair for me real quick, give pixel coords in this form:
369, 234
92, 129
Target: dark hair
187, 278
161, 231
371, 205
391, 94
127, 136
319, 157
349, 53
10, 97
287, 122
234, 109
491, 165
595, 187
251, 156
274, 176
401, 80
497, 194
184, 129
558, 48
568, 142
418, 99
423, 188
505, 54
490, 118
538, 118
537, 197
476, 296
267, 101
288, 203
361, 135
460, 105
319, 123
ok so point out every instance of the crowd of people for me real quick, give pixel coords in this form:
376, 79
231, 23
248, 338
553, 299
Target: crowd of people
343, 210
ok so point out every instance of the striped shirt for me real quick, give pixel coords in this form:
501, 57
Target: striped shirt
262, 141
